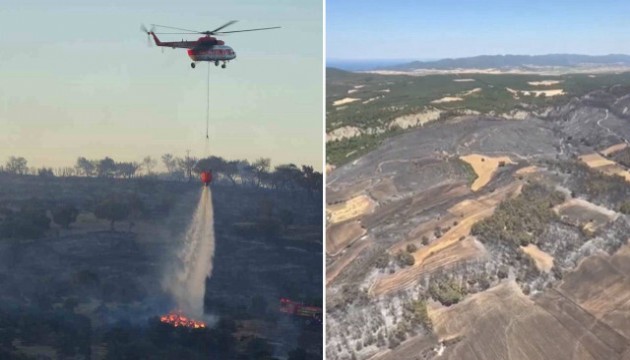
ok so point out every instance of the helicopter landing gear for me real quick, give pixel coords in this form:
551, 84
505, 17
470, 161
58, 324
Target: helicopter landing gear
216, 63
192, 65
223, 66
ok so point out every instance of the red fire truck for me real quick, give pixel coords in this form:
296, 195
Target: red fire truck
310, 314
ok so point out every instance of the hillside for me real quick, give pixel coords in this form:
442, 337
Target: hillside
499, 234
515, 61
364, 109
96, 291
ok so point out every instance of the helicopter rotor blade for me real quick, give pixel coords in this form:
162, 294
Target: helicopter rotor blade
174, 28
145, 30
148, 32
236, 31
166, 33
231, 22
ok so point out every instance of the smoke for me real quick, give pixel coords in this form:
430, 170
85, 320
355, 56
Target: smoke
187, 283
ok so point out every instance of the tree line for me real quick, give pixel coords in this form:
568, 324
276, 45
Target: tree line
257, 173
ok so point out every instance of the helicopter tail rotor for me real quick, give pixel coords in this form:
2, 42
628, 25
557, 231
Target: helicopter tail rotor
148, 32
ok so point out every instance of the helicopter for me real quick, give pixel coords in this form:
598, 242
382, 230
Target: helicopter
206, 48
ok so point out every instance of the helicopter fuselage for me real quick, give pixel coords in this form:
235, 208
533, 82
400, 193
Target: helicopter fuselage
213, 53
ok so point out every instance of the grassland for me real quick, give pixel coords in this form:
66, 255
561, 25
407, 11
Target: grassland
484, 167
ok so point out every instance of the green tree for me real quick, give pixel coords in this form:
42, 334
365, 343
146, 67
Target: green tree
45, 172
405, 259
286, 176
311, 180
127, 170
106, 167
85, 167
447, 292
65, 215
419, 314
112, 210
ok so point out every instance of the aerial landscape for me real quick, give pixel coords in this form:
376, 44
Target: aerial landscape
161, 204
478, 207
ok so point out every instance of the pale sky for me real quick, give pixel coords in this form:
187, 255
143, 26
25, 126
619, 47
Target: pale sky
430, 29
78, 79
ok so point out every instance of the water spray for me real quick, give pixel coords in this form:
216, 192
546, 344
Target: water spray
187, 284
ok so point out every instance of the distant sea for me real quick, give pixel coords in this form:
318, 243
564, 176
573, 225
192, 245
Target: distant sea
370, 64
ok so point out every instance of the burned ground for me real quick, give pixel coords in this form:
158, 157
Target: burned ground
90, 292
486, 293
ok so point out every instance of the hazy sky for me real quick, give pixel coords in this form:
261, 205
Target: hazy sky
78, 79
397, 29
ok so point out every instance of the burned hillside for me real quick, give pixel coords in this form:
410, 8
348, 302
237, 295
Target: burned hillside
473, 211
82, 262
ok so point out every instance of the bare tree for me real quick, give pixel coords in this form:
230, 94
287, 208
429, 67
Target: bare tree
65, 171
16, 165
188, 164
170, 163
231, 170
261, 167
149, 164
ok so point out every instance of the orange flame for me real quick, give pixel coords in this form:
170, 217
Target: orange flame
177, 319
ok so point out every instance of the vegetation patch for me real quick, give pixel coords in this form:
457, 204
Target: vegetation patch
623, 157
404, 259
447, 291
601, 188
519, 221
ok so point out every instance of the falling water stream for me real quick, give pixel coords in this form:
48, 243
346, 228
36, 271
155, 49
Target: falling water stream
187, 284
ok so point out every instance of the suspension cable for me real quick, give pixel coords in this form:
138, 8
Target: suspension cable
207, 113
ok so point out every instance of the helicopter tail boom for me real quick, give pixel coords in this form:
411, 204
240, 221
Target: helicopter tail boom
155, 38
